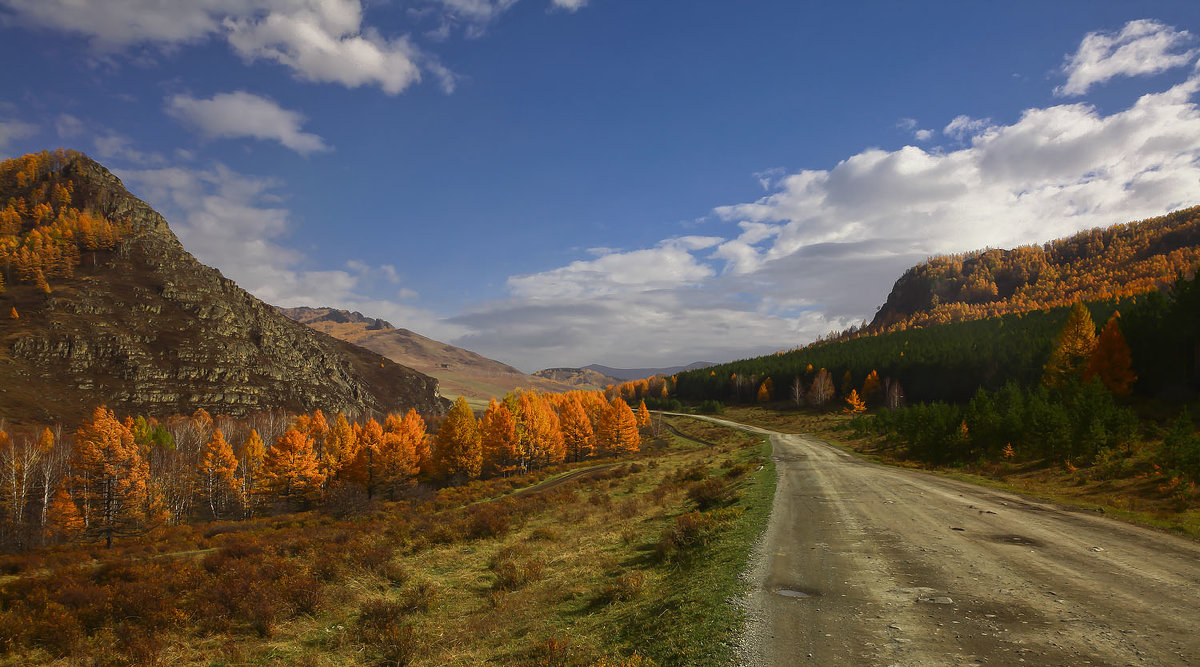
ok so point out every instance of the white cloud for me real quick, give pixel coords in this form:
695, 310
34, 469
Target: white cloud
237, 224
12, 130
327, 41
923, 135
114, 146
910, 125
242, 114
319, 40
821, 250
1141, 47
68, 126
569, 5
963, 127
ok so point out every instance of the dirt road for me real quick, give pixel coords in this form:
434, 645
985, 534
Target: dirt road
863, 564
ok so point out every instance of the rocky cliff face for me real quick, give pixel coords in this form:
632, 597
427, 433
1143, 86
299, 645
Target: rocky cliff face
147, 329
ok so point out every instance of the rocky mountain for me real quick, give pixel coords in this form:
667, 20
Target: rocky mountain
460, 372
639, 373
145, 328
578, 378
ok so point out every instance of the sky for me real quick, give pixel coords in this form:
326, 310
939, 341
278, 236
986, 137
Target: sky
635, 183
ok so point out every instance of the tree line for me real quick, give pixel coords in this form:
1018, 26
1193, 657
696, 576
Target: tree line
113, 477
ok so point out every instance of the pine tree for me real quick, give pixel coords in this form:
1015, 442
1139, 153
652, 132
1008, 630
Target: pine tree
340, 447
1072, 348
367, 469
404, 447
458, 454
290, 470
643, 416
216, 471
1111, 360
111, 477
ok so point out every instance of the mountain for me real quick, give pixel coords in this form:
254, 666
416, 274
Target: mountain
578, 378
639, 373
1118, 261
460, 372
107, 307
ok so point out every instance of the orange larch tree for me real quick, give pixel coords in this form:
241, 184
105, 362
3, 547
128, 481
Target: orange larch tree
367, 469
458, 451
872, 388
617, 433
63, 520
1072, 348
502, 453
111, 477
578, 437
1111, 360
539, 431
250, 461
643, 416
290, 471
404, 447
854, 404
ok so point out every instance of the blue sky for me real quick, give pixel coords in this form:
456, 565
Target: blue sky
634, 183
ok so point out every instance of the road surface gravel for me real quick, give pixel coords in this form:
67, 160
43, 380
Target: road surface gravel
864, 564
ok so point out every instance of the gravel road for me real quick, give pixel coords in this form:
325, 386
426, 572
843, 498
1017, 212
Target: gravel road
863, 564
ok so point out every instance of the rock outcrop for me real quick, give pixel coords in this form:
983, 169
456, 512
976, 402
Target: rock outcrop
148, 329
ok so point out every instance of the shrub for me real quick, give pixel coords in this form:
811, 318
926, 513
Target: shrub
513, 571
711, 407
710, 493
691, 531
489, 520
420, 598
628, 586
380, 626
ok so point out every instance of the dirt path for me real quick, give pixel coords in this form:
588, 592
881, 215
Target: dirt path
902, 567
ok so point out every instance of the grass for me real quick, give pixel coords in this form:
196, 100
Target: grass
1132, 493
595, 569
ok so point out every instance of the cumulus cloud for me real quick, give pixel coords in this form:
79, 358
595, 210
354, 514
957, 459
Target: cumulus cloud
1141, 47
238, 224
910, 125
242, 114
821, 249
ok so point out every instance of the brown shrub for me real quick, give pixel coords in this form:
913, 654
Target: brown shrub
514, 568
710, 493
628, 586
691, 530
489, 520
420, 598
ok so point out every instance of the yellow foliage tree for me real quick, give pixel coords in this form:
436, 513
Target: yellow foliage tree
216, 472
617, 432
111, 477
1072, 348
1111, 360
643, 416
854, 404
501, 447
63, 520
872, 388
539, 431
458, 451
578, 436
290, 470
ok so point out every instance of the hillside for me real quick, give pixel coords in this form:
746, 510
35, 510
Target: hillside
639, 373
579, 378
459, 371
104, 305
1114, 262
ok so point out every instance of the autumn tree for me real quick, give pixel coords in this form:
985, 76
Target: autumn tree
617, 432
290, 471
250, 462
404, 448
63, 520
643, 416
578, 436
764, 393
872, 388
821, 391
110, 478
340, 447
216, 473
1111, 360
1072, 348
539, 431
847, 383
798, 391
458, 451
502, 454
367, 469
854, 404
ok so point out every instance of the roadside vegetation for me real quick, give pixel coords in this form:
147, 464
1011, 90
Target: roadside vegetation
618, 561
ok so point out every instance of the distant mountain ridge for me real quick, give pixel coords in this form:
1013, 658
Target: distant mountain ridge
578, 378
139, 324
459, 371
639, 373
